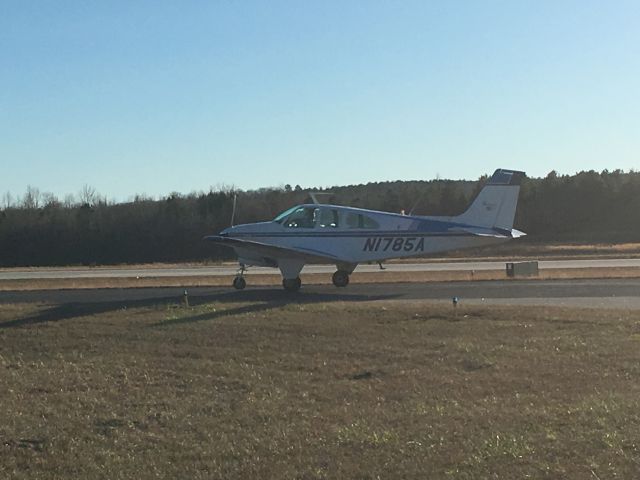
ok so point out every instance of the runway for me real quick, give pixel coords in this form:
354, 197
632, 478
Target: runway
605, 293
228, 270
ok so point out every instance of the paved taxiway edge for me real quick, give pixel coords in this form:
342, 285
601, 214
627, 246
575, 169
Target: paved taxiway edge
595, 293
213, 271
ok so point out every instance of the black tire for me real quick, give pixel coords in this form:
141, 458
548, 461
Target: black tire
340, 278
239, 283
292, 284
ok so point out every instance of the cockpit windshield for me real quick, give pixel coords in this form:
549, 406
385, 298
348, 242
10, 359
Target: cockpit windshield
300, 217
284, 214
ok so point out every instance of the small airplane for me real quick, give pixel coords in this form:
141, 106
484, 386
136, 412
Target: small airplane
346, 236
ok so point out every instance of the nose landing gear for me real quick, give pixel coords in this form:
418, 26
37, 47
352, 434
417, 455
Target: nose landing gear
239, 282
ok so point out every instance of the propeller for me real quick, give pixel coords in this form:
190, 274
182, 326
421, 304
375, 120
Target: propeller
233, 212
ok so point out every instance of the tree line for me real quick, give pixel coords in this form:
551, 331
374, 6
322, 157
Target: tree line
39, 229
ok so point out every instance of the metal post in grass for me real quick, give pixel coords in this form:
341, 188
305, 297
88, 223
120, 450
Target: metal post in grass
185, 298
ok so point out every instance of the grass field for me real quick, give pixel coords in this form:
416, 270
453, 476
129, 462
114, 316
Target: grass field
312, 390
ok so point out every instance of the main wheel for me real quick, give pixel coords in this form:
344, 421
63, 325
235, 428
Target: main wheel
292, 284
340, 278
239, 283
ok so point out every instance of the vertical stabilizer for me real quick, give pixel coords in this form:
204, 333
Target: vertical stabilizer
495, 205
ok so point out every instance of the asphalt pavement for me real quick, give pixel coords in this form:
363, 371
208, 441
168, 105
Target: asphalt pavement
591, 293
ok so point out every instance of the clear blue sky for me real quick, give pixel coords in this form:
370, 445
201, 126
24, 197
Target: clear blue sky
157, 96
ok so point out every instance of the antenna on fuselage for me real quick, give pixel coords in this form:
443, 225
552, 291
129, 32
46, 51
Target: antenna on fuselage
314, 196
233, 212
416, 204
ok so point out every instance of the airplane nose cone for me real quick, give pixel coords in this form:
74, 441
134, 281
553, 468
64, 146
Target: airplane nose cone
225, 232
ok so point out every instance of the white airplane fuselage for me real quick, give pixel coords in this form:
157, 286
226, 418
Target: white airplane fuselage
398, 236
346, 236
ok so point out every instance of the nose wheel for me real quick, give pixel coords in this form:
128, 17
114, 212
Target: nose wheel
292, 284
340, 278
239, 282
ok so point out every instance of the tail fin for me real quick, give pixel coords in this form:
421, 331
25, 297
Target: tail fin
495, 205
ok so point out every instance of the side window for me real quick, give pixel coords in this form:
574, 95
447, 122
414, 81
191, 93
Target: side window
302, 217
369, 223
357, 220
351, 220
326, 217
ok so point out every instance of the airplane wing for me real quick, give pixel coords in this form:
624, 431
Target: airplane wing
272, 252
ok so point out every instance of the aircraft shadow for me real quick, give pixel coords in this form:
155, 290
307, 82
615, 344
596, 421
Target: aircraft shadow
263, 300
260, 300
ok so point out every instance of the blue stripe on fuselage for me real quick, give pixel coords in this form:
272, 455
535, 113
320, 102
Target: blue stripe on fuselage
366, 233
433, 226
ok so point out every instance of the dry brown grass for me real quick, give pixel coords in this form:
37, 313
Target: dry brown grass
528, 249
622, 248
316, 390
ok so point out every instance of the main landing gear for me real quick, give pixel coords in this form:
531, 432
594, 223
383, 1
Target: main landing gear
341, 278
292, 284
291, 280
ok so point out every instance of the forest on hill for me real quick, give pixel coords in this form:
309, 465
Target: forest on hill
42, 230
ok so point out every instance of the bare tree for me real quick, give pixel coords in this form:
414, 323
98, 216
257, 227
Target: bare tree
50, 200
87, 195
7, 200
31, 199
69, 200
